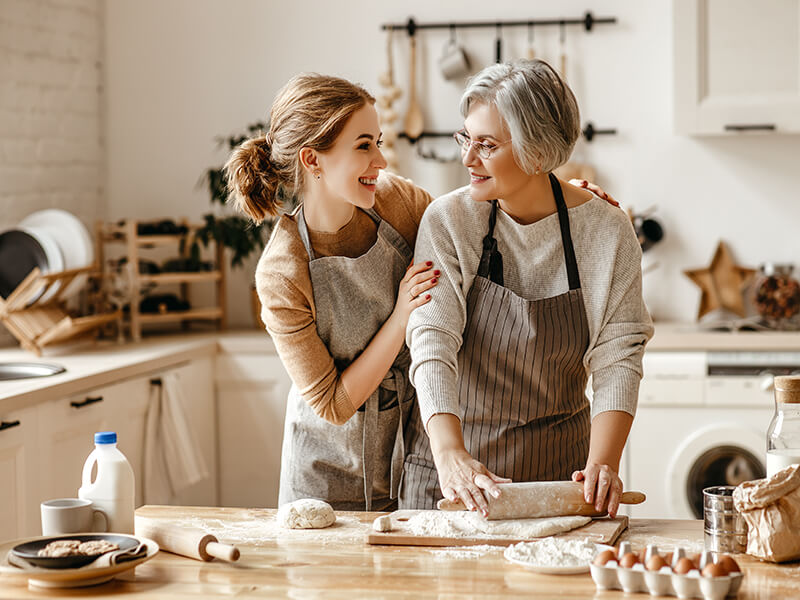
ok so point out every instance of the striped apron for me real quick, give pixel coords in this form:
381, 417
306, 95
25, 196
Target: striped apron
521, 379
356, 465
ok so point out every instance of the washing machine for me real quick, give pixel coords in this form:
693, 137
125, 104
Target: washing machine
701, 421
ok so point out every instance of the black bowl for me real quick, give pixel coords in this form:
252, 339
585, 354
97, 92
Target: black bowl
19, 254
29, 551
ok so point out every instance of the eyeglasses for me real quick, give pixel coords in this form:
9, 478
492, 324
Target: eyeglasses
482, 149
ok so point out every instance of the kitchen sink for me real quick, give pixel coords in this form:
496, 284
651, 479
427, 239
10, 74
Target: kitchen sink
25, 370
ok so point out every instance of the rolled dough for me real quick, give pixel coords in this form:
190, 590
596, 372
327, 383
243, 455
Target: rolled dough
306, 513
471, 524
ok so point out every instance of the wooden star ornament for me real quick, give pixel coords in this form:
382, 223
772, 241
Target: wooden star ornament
721, 283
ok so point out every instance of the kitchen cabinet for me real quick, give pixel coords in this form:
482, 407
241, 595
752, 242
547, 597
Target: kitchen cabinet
42, 457
252, 388
736, 66
19, 498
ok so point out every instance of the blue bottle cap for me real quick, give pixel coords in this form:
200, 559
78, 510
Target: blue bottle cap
105, 437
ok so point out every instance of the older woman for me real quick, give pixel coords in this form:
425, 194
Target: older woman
540, 286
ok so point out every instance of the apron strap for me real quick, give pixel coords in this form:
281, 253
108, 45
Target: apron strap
566, 235
491, 265
302, 229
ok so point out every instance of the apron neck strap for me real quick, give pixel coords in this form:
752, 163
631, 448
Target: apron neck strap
491, 264
566, 235
302, 228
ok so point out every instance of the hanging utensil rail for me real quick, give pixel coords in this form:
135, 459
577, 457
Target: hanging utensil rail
589, 132
588, 21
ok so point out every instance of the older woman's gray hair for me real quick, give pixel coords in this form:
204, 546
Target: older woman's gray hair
538, 107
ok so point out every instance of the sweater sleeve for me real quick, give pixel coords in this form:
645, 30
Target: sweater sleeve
615, 358
286, 310
435, 329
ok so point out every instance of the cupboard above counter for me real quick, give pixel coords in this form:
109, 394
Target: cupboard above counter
737, 66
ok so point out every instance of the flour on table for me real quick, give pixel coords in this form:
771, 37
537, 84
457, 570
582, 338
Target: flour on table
306, 514
434, 523
466, 552
553, 552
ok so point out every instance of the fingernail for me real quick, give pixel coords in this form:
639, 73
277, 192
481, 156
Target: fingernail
427, 296
436, 272
434, 280
429, 263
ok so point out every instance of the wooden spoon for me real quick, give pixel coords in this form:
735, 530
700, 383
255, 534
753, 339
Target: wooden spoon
414, 123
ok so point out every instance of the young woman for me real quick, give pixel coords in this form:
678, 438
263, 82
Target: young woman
336, 288
540, 286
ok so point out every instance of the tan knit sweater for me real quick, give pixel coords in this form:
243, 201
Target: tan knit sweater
287, 300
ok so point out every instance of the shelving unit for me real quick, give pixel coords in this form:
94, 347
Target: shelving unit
37, 323
126, 233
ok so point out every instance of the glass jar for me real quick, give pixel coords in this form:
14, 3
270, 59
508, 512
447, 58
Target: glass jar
783, 434
777, 296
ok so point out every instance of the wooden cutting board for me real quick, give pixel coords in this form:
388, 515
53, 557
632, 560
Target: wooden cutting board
600, 530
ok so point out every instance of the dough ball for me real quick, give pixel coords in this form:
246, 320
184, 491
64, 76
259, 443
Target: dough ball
306, 514
97, 547
382, 524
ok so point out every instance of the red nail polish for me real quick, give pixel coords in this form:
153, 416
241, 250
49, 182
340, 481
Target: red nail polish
436, 272
427, 296
429, 263
434, 280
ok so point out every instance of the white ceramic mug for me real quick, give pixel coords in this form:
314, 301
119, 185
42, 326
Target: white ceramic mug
71, 515
454, 62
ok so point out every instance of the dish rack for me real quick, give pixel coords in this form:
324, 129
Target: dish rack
37, 323
126, 233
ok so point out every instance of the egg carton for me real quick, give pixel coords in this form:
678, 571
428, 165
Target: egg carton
665, 582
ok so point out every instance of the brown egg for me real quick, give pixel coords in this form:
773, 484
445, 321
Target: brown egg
642, 555
603, 557
655, 563
730, 565
714, 570
628, 560
684, 565
668, 558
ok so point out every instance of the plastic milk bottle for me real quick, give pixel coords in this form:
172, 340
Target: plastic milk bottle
113, 489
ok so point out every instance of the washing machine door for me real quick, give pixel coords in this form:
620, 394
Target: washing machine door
724, 454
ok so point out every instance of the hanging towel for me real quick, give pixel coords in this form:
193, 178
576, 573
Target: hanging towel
173, 459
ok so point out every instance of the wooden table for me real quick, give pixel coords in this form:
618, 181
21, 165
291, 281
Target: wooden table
336, 563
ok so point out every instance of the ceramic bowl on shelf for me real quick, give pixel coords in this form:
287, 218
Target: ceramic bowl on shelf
21, 250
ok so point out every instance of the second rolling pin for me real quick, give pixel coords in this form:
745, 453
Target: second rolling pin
186, 541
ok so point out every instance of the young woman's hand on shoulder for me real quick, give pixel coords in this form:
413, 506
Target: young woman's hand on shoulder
419, 278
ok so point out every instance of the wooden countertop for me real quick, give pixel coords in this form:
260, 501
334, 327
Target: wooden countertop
337, 563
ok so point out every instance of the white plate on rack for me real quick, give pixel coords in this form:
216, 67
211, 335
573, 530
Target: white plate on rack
72, 238
551, 569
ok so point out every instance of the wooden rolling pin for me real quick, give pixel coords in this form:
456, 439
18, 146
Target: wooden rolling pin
186, 541
540, 499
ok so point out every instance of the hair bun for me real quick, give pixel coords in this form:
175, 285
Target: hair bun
252, 180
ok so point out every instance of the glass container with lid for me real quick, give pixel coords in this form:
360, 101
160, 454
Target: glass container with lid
783, 434
776, 296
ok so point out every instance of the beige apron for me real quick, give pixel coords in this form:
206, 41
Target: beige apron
357, 465
521, 379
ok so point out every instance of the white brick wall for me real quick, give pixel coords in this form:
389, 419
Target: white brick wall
51, 97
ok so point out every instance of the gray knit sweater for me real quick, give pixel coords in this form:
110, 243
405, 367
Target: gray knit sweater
609, 264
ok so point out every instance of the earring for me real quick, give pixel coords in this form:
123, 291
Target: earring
317, 174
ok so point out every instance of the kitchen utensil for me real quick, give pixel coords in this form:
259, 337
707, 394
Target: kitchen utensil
91, 574
71, 515
186, 541
531, 52
29, 551
562, 39
498, 45
73, 239
414, 124
454, 62
724, 528
540, 499
600, 531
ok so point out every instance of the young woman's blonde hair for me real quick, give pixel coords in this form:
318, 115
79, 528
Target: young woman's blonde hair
310, 111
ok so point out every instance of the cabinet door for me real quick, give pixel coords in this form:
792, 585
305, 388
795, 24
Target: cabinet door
19, 496
67, 427
252, 391
737, 66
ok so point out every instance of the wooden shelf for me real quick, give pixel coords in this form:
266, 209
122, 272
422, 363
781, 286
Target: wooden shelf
182, 315
183, 277
126, 233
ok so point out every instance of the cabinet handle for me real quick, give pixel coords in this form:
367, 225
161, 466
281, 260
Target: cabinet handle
86, 402
756, 127
8, 424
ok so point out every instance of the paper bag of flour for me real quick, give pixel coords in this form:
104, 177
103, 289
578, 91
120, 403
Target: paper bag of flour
771, 508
